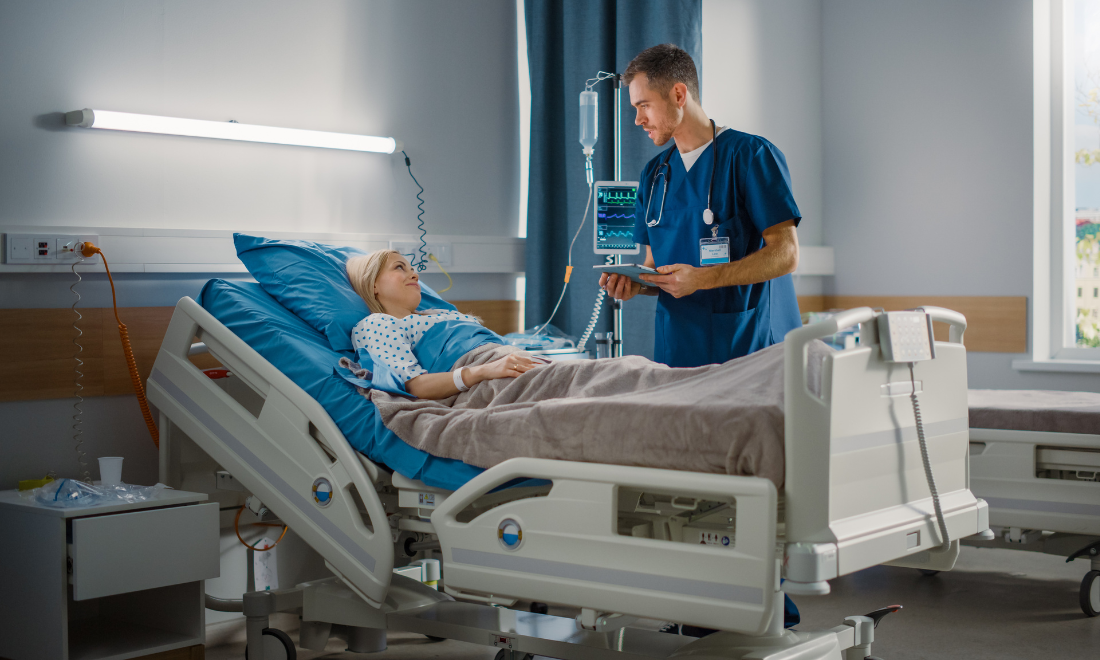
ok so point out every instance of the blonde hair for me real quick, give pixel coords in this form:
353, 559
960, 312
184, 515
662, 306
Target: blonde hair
363, 271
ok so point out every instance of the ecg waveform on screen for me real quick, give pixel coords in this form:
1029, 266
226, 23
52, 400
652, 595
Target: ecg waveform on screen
616, 215
611, 233
620, 197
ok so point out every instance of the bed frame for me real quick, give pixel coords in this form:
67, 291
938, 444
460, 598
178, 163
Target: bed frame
1043, 491
617, 542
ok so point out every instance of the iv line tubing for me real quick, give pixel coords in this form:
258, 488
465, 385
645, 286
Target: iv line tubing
584, 219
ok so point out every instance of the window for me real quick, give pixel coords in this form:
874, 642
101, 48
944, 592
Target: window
1065, 329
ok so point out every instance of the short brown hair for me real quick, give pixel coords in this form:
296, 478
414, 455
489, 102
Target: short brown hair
664, 66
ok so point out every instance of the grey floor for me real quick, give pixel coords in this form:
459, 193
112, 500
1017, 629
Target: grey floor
995, 604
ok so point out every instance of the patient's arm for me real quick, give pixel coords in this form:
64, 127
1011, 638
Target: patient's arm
441, 386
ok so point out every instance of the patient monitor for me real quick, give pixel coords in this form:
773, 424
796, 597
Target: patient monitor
614, 217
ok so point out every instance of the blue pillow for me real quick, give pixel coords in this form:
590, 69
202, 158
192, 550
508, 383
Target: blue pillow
309, 279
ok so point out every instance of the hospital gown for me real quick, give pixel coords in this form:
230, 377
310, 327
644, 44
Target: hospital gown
391, 341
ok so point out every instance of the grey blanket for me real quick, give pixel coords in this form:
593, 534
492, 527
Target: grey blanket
723, 419
1035, 410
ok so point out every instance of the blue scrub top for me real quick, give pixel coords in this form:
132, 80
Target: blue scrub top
752, 192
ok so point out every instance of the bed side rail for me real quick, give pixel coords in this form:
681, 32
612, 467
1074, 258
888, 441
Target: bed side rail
856, 491
570, 547
277, 455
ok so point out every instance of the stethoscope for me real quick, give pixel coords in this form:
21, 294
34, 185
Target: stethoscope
663, 171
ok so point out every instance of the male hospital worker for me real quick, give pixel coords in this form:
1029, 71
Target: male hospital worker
717, 216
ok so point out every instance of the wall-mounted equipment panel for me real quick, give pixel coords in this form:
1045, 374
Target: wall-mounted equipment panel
45, 249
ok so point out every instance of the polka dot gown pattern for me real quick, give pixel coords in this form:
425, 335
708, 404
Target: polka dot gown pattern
391, 340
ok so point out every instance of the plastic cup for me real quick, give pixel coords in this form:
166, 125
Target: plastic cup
110, 470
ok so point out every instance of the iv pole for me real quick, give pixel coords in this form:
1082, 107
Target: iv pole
617, 305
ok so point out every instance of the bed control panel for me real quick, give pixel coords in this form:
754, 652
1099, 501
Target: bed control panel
906, 336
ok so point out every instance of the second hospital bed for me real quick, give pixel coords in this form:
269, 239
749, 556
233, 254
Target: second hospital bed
1035, 458
617, 542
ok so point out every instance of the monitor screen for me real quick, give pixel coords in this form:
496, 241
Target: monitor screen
615, 217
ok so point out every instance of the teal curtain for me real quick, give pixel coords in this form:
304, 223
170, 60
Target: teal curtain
568, 42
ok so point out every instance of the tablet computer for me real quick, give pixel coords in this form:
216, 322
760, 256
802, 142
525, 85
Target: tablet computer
630, 270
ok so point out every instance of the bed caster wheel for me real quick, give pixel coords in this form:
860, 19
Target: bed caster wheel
539, 608
505, 654
927, 572
277, 646
1090, 593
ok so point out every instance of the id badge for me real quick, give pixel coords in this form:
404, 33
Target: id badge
713, 251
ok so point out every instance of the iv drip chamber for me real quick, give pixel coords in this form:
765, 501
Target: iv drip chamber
589, 103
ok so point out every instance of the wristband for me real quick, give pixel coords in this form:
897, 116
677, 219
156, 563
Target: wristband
457, 376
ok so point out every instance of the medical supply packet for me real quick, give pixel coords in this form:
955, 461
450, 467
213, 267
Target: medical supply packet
66, 493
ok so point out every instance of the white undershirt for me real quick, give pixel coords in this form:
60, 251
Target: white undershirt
690, 157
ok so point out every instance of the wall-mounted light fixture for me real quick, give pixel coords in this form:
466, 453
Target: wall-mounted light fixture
127, 121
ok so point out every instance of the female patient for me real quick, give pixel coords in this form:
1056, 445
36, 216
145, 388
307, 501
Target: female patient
391, 289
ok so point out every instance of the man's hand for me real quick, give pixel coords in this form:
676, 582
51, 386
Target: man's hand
677, 280
619, 287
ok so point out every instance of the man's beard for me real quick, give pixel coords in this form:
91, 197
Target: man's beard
661, 137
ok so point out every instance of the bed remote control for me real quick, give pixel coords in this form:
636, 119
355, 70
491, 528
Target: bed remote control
906, 336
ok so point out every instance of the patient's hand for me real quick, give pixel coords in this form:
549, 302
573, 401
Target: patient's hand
508, 366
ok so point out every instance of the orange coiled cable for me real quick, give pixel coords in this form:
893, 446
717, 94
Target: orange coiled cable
88, 250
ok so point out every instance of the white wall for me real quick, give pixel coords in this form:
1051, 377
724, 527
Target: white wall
762, 75
441, 77
927, 115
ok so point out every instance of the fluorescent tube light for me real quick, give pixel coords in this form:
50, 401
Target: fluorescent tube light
224, 130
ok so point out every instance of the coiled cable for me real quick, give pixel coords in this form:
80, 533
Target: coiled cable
135, 376
946, 540
421, 262
78, 386
595, 313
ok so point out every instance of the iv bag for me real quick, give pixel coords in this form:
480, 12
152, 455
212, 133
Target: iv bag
589, 104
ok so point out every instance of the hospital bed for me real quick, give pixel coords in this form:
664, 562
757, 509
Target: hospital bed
1042, 484
615, 542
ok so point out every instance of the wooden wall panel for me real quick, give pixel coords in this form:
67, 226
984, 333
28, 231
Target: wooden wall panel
500, 316
36, 349
995, 324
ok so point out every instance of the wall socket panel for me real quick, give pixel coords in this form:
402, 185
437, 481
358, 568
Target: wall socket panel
45, 249
410, 249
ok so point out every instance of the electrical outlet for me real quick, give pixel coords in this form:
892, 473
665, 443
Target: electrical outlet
67, 247
46, 249
411, 250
